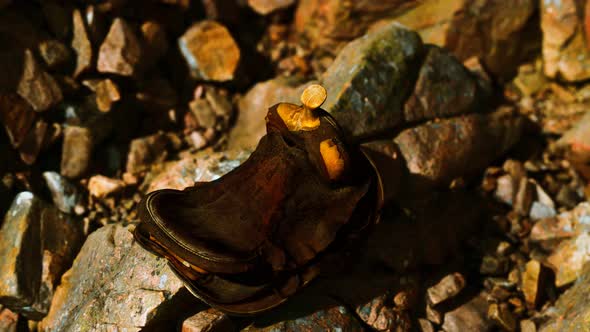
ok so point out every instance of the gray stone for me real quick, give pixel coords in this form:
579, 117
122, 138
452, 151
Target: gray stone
114, 284
65, 195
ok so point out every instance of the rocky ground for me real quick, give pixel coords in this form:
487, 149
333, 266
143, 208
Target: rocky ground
479, 107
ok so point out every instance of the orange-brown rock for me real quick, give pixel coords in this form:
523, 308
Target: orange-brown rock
210, 51
36, 86
265, 7
81, 44
208, 320
54, 53
120, 52
107, 93
16, 116
101, 186
77, 151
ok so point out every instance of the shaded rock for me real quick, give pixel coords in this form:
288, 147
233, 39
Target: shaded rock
211, 108
54, 53
33, 142
533, 283
210, 320
265, 7
145, 151
446, 288
250, 125
202, 166
38, 243
333, 318
81, 44
425, 325
380, 315
368, 81
471, 316
101, 186
8, 319
571, 312
58, 18
210, 51
17, 117
501, 315
107, 93
36, 86
222, 11
156, 95
65, 195
113, 284
120, 52
565, 51
155, 43
466, 28
77, 150
444, 88
524, 197
438, 152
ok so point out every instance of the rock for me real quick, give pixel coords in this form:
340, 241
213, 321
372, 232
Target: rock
37, 244
145, 151
17, 117
33, 142
210, 320
533, 283
107, 93
120, 52
380, 315
471, 316
438, 152
568, 259
8, 320
156, 95
54, 53
113, 284
211, 109
250, 125
65, 195
446, 288
506, 189
434, 315
203, 166
101, 186
210, 51
565, 51
36, 86
565, 225
368, 81
77, 151
501, 315
576, 143
527, 325
222, 10
571, 312
530, 79
335, 317
541, 211
444, 88
425, 325
81, 44
265, 7
466, 28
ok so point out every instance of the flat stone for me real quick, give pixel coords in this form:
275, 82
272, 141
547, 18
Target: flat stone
65, 195
101, 186
250, 125
471, 316
36, 86
77, 151
265, 7
446, 288
202, 166
38, 243
210, 51
211, 320
120, 52
107, 93
54, 53
438, 152
368, 81
113, 284
81, 44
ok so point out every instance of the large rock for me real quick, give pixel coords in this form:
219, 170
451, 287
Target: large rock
370, 80
114, 284
499, 35
572, 311
565, 49
37, 244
